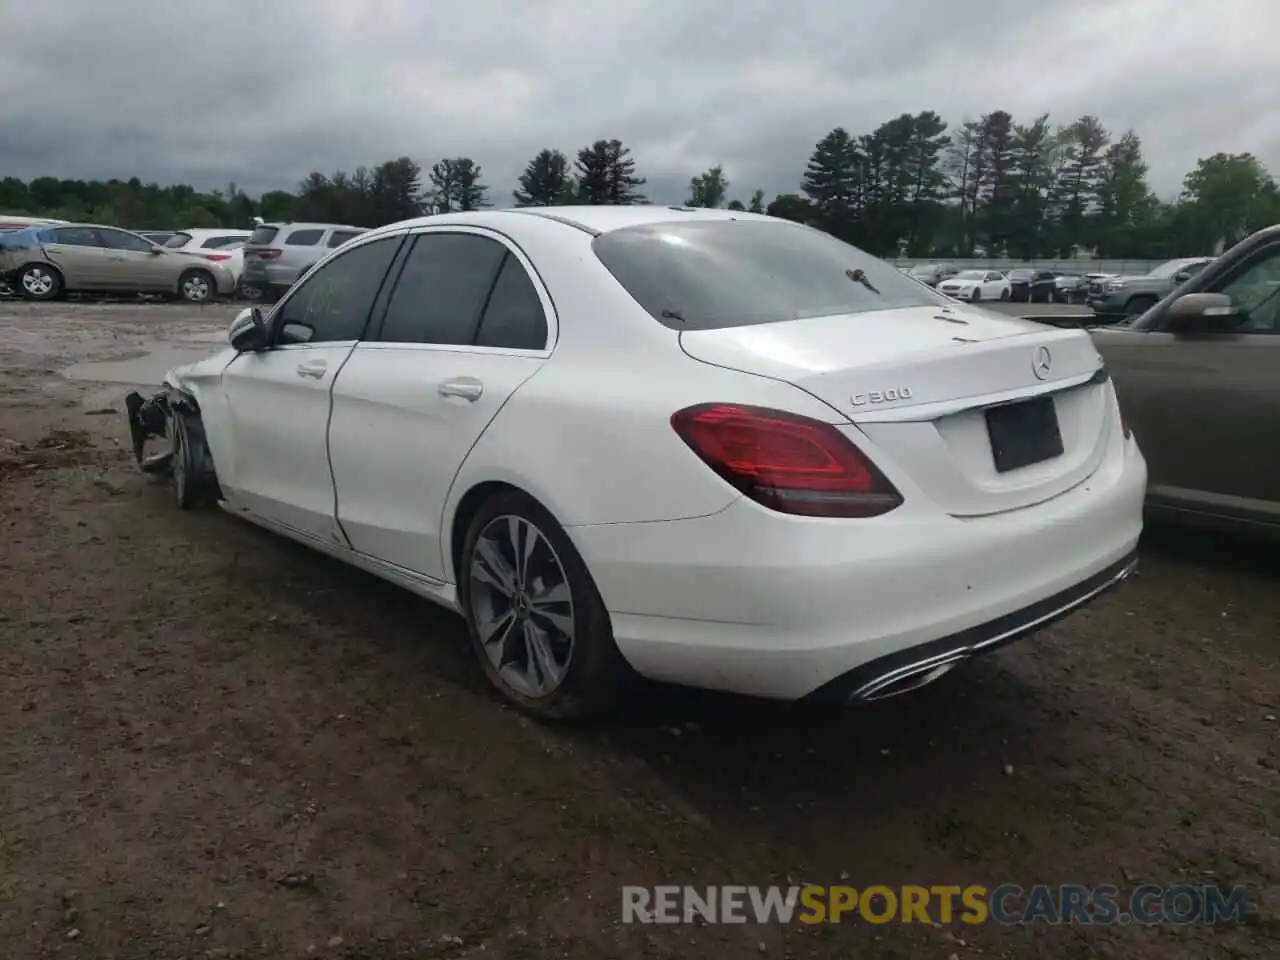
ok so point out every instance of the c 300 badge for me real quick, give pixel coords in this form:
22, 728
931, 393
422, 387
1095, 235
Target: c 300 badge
881, 396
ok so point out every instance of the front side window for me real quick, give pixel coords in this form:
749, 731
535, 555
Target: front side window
706, 275
1256, 293
178, 241
332, 304
119, 240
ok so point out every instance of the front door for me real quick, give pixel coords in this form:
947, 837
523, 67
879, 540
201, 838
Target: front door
136, 265
464, 327
1206, 406
278, 399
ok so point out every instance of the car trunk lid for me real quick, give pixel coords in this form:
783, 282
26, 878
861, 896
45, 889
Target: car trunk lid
948, 395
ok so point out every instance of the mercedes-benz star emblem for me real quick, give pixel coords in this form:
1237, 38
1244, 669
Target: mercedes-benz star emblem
1042, 362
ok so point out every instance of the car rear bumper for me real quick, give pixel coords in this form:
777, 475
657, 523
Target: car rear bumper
754, 602
259, 274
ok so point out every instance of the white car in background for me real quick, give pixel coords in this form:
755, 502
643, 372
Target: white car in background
215, 245
976, 285
711, 447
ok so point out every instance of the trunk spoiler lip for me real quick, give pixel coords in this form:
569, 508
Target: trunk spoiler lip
944, 408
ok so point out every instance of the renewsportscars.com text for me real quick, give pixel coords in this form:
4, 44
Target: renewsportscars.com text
973, 904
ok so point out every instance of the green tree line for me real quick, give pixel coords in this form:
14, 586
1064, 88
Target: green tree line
914, 186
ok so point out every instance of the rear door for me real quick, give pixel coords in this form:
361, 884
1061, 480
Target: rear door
80, 253
466, 323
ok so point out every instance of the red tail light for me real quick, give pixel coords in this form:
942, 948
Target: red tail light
267, 254
786, 462
216, 257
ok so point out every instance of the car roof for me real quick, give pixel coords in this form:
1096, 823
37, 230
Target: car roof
591, 219
307, 225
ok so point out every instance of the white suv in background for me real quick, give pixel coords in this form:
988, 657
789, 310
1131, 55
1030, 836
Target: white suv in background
219, 245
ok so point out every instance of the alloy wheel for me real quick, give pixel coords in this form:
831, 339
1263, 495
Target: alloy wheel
195, 288
38, 282
522, 606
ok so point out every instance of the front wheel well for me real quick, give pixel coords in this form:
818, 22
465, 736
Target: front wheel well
467, 508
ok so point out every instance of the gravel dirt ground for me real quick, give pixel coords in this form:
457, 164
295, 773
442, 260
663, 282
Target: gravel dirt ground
222, 745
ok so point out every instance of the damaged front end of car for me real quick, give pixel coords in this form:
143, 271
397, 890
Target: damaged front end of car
173, 417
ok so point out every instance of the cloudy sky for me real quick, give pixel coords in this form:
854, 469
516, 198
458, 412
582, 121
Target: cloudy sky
260, 93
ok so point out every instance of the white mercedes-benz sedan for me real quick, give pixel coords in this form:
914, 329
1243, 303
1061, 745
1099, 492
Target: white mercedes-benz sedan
706, 447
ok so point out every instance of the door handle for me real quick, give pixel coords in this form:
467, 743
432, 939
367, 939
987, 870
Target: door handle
464, 388
312, 368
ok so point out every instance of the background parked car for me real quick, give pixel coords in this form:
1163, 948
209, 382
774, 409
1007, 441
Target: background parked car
1031, 286
1065, 284
1117, 297
12, 222
933, 273
43, 263
1199, 383
278, 253
216, 246
975, 285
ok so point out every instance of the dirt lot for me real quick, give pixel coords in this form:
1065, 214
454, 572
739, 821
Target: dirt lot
221, 745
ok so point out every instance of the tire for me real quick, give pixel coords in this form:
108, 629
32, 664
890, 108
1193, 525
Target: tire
185, 470
1137, 306
197, 286
250, 292
1005, 295
39, 281
585, 675
977, 295
191, 468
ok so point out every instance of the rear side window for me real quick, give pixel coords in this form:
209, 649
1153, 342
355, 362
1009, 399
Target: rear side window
442, 289
77, 237
303, 238
177, 241
514, 318
263, 235
707, 275
339, 237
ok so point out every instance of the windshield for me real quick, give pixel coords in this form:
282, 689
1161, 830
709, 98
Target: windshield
925, 271
1021, 274
1170, 268
970, 275
711, 274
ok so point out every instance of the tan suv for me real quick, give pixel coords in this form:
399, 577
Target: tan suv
43, 263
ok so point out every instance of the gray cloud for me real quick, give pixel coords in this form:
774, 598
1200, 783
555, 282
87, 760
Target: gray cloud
262, 94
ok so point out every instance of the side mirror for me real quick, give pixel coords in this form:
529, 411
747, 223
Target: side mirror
248, 332
1202, 313
156, 251
1182, 276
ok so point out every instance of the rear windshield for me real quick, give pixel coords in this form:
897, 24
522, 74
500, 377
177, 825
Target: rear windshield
178, 240
707, 275
218, 243
263, 235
